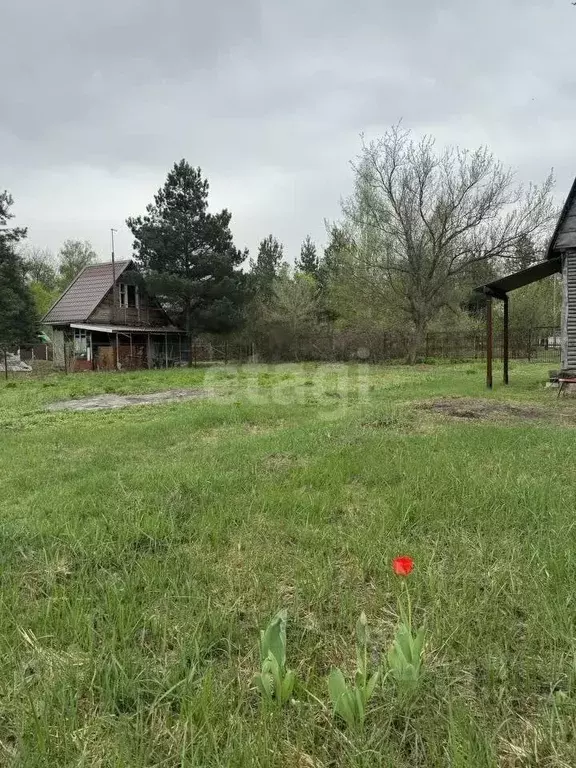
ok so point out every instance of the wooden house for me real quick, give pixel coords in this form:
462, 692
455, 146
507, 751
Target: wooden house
560, 258
106, 319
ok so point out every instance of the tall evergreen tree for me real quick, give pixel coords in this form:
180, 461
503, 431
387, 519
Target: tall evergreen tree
8, 234
267, 267
188, 255
308, 262
331, 268
18, 319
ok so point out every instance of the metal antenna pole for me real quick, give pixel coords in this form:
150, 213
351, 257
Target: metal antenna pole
113, 263
114, 314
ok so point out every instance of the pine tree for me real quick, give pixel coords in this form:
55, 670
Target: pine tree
8, 234
309, 262
187, 254
267, 267
18, 319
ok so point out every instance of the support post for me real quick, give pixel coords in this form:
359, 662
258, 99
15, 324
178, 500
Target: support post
166, 350
149, 352
489, 342
116, 354
6, 364
506, 339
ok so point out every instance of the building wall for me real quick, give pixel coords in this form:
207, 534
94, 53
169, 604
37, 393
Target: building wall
569, 310
57, 336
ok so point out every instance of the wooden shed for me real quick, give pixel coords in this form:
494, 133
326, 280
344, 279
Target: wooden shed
560, 258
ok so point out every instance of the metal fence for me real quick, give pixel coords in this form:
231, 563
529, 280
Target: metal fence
327, 345
38, 352
527, 344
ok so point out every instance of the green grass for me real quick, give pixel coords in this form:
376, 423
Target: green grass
141, 551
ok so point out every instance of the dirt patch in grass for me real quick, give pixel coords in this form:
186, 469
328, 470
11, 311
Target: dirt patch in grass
105, 402
471, 409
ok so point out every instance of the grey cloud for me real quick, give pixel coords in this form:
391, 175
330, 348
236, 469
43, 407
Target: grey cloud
268, 97
80, 61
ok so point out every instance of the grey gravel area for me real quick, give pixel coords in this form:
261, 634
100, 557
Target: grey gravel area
103, 402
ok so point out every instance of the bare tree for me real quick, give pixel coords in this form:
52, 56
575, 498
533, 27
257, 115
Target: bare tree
433, 214
40, 266
74, 255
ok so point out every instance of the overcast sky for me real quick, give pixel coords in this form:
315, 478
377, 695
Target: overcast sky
269, 98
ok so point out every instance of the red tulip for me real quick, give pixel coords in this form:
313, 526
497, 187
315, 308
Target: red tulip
402, 565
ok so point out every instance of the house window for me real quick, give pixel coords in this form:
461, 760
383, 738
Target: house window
129, 295
82, 344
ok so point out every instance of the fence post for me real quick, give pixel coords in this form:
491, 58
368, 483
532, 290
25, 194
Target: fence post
489, 342
505, 349
529, 344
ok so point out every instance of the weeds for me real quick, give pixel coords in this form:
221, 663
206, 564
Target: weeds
274, 681
351, 700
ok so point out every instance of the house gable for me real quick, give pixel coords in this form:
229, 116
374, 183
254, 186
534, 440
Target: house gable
564, 237
84, 293
144, 311
92, 297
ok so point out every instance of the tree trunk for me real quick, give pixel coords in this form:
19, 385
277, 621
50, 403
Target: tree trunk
192, 356
6, 364
191, 337
417, 343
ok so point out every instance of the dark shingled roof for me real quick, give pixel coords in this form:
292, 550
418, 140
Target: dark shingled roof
84, 294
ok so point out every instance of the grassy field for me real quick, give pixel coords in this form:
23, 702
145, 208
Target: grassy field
143, 549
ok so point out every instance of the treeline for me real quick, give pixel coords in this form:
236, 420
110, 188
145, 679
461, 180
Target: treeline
49, 274
18, 314
422, 227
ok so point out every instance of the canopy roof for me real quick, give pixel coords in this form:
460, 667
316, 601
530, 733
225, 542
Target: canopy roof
125, 328
499, 288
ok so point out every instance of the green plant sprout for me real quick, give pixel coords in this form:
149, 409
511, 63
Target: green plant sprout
274, 681
405, 655
350, 701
